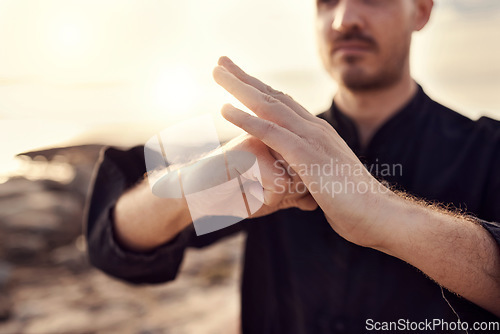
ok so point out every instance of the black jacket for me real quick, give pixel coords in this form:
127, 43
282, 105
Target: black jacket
299, 275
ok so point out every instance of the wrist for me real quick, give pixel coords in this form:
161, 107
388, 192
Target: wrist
397, 217
143, 221
369, 219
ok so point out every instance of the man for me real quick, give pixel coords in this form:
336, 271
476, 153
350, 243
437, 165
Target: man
358, 256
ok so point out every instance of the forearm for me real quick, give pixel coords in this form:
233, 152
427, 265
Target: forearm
457, 253
453, 250
144, 221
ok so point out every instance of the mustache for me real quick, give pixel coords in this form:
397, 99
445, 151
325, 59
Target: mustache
354, 35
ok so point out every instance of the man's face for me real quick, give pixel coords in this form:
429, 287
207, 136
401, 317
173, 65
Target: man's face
364, 44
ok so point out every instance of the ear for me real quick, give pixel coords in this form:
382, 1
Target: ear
423, 9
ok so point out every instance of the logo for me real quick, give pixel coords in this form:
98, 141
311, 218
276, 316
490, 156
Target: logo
221, 187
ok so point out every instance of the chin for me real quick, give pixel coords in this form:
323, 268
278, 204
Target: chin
355, 79
357, 82
360, 79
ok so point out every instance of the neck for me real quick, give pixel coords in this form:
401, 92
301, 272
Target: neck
370, 109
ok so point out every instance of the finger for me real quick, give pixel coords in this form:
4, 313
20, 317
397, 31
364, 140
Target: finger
263, 105
264, 177
276, 137
266, 89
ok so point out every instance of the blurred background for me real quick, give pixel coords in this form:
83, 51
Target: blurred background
77, 75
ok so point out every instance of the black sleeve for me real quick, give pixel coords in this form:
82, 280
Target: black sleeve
491, 200
116, 171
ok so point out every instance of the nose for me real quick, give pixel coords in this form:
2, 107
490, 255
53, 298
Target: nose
347, 16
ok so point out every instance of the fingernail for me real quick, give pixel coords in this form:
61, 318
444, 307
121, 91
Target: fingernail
220, 67
224, 59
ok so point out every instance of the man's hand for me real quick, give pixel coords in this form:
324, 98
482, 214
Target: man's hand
279, 188
306, 143
455, 251
268, 189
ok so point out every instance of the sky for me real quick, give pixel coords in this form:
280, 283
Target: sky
117, 71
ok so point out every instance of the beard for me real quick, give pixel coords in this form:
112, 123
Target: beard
357, 79
389, 71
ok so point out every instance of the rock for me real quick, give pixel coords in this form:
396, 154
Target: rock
34, 201
54, 299
24, 248
5, 303
54, 215
5, 306
33, 221
5, 273
19, 186
11, 328
42, 200
71, 321
52, 289
82, 158
71, 257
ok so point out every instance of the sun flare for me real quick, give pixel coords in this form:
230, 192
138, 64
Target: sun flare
174, 90
67, 44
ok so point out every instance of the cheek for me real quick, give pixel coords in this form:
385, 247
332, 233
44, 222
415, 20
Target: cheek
322, 37
394, 38
323, 25
321, 31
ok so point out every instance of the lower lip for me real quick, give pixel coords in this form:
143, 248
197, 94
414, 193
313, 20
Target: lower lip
351, 51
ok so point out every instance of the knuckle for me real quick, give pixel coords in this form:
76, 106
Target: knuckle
327, 130
279, 94
288, 97
315, 145
322, 122
265, 104
322, 128
269, 128
269, 90
269, 99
